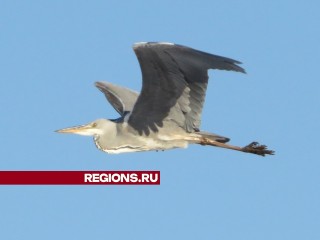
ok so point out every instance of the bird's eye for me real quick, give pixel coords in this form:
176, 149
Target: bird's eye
94, 124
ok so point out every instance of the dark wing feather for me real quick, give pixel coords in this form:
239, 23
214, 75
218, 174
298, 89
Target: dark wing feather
122, 99
175, 80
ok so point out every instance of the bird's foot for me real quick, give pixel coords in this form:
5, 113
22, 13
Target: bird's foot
258, 149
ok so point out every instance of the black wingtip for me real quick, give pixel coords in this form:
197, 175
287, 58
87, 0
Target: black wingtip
233, 65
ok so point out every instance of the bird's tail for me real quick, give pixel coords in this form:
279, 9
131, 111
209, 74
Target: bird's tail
213, 136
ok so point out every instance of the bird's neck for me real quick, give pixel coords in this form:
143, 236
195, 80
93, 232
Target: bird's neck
106, 140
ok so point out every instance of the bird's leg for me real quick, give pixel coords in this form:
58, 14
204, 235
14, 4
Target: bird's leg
253, 147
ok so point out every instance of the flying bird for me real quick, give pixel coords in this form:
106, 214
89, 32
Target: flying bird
167, 112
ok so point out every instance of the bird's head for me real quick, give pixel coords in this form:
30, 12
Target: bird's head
95, 128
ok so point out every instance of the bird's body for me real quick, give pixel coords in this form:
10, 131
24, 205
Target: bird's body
119, 137
167, 112
127, 139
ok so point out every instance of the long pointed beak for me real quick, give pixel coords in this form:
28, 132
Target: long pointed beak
83, 129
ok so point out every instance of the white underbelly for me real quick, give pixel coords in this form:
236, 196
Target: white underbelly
149, 145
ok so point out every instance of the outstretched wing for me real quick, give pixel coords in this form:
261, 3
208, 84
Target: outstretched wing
122, 99
175, 80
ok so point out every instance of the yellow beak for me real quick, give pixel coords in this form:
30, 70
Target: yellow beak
77, 129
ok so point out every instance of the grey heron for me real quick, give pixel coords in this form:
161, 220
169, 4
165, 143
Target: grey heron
167, 112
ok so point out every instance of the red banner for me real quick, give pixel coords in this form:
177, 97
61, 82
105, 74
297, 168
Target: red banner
79, 177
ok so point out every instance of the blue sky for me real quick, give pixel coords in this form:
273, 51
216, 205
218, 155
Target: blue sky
51, 54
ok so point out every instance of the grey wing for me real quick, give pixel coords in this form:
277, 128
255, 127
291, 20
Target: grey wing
122, 99
175, 80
